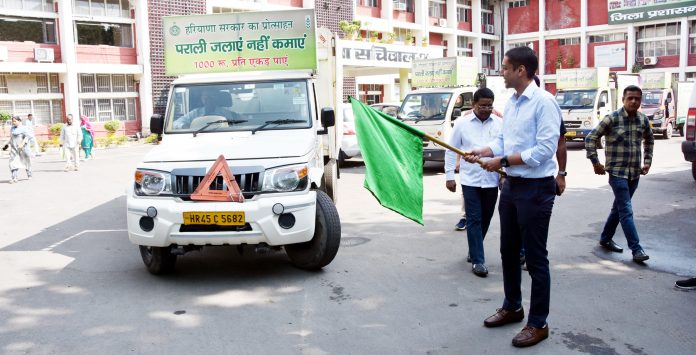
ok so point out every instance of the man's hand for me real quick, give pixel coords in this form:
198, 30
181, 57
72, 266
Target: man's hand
5, 147
599, 169
492, 164
560, 185
645, 170
451, 185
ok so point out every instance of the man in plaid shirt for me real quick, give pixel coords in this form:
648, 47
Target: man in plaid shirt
623, 130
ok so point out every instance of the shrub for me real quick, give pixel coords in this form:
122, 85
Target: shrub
119, 140
4, 117
152, 138
112, 126
55, 129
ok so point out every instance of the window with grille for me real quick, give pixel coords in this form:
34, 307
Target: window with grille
403, 5
608, 37
518, 3
436, 8
107, 83
369, 3
658, 40
110, 8
569, 41
102, 110
3, 85
463, 11
46, 112
29, 5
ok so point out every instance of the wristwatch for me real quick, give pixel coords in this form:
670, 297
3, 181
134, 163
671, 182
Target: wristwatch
562, 173
504, 162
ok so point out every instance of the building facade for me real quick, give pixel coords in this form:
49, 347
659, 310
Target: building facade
80, 57
639, 36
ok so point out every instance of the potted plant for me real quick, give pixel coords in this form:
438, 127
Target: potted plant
351, 29
4, 117
391, 36
409, 38
424, 41
374, 36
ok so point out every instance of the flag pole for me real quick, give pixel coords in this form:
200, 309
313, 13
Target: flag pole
458, 151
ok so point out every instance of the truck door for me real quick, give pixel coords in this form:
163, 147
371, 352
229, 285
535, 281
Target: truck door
603, 106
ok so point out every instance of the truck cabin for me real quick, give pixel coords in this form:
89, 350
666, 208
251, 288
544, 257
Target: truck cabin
238, 106
434, 105
576, 99
655, 98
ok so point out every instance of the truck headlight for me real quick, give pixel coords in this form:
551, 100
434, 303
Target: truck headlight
659, 114
286, 178
587, 123
151, 183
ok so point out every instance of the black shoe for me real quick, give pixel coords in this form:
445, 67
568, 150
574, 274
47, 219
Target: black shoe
611, 246
461, 225
688, 284
479, 270
468, 257
640, 256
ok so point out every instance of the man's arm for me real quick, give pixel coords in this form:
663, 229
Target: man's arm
648, 145
562, 157
591, 143
451, 157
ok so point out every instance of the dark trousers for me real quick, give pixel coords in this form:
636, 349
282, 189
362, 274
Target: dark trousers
525, 211
622, 212
479, 204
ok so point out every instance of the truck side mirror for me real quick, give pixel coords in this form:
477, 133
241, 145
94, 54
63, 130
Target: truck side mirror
456, 114
156, 124
602, 104
328, 119
668, 100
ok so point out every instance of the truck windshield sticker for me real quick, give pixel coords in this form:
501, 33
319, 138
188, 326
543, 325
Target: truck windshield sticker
239, 42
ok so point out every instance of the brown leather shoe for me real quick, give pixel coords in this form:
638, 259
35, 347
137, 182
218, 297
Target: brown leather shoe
504, 316
529, 336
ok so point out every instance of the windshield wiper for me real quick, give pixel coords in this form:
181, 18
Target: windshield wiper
435, 116
279, 122
214, 122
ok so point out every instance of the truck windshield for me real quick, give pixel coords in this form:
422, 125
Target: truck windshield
568, 99
427, 106
238, 106
651, 98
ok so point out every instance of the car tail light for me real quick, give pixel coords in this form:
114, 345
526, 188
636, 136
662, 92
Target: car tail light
691, 124
347, 131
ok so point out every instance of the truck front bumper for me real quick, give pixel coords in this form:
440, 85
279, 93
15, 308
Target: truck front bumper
577, 134
434, 154
689, 150
261, 222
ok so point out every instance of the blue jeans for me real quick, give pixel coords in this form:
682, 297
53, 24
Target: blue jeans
479, 204
525, 212
622, 212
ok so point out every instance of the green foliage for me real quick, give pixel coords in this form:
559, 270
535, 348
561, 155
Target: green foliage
110, 140
350, 28
409, 37
112, 126
4, 117
55, 129
636, 68
151, 139
53, 142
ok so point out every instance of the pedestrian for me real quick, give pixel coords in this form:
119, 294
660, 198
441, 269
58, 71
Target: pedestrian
33, 143
526, 147
20, 154
479, 187
623, 129
87, 136
70, 139
686, 284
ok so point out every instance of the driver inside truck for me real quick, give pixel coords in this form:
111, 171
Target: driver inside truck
432, 106
213, 103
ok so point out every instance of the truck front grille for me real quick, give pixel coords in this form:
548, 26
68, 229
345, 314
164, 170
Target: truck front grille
573, 124
185, 185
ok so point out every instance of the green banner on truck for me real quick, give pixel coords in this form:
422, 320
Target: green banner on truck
240, 42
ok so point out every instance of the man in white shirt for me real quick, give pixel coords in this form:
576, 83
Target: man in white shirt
70, 139
479, 187
33, 144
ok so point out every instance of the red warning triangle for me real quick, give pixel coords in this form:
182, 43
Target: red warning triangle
233, 192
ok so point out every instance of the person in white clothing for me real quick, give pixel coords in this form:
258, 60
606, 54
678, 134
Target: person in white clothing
70, 139
479, 187
33, 143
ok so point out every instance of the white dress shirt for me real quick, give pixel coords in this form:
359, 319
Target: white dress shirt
469, 133
531, 127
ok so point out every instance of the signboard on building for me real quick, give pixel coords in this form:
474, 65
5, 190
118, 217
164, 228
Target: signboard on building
582, 78
656, 80
445, 72
239, 42
627, 11
358, 53
610, 55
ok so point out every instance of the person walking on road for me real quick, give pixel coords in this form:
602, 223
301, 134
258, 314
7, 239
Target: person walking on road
87, 136
624, 130
20, 155
70, 139
526, 147
479, 187
33, 143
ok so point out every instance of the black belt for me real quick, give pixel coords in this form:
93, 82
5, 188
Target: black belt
523, 180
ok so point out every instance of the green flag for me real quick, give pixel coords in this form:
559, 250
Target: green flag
393, 155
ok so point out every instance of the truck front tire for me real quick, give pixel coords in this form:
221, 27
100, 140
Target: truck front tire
321, 250
158, 260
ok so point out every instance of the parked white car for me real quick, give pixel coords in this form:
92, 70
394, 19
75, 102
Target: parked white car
349, 143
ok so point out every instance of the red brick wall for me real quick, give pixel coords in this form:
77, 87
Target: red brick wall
24, 52
562, 14
550, 87
590, 53
404, 16
435, 39
597, 12
567, 52
105, 54
524, 19
668, 61
369, 11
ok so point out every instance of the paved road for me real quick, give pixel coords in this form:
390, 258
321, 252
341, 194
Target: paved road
72, 283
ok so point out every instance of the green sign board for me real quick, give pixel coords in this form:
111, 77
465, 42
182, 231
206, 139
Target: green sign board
648, 10
240, 42
444, 72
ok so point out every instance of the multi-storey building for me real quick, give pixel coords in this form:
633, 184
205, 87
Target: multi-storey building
73, 56
628, 35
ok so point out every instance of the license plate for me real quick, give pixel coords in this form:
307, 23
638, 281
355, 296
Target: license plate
571, 134
214, 218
